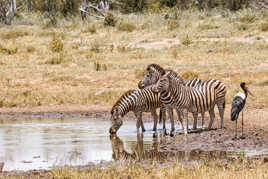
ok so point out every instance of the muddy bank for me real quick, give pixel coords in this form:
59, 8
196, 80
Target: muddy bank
215, 143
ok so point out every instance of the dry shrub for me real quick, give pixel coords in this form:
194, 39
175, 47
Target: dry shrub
8, 51
30, 49
110, 19
98, 66
187, 75
186, 40
264, 26
56, 45
173, 24
123, 48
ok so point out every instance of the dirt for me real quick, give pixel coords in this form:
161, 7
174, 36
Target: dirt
254, 143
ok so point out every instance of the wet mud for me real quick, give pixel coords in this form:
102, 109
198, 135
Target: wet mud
127, 146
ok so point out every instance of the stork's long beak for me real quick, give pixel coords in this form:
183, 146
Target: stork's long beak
250, 92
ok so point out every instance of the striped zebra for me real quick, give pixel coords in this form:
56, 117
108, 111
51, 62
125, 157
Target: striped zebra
138, 101
153, 75
155, 71
139, 152
186, 99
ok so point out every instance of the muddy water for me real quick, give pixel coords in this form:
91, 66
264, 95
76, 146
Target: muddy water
41, 145
37, 144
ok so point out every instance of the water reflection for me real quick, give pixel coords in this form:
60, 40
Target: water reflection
154, 153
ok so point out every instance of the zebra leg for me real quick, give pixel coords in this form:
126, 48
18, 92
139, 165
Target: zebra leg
164, 121
170, 113
160, 115
139, 122
221, 108
212, 117
203, 118
179, 117
185, 116
195, 115
153, 112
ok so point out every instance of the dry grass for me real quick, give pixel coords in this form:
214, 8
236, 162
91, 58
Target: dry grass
234, 170
102, 65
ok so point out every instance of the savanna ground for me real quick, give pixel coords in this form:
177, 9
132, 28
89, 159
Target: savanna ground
85, 67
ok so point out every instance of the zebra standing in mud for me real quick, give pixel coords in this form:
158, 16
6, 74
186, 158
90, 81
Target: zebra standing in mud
138, 101
155, 71
186, 99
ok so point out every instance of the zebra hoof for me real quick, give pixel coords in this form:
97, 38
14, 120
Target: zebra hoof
171, 134
154, 135
143, 130
112, 131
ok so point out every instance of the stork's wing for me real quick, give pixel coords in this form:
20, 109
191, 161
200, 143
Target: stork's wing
237, 106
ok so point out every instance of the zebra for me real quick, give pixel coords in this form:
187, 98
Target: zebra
153, 75
138, 101
155, 71
186, 99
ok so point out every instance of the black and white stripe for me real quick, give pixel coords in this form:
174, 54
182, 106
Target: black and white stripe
138, 101
186, 99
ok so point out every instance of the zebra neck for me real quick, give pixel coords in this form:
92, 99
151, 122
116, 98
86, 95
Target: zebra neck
126, 105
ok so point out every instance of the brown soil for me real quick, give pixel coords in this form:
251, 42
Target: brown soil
255, 130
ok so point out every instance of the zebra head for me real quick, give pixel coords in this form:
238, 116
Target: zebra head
162, 84
153, 74
116, 120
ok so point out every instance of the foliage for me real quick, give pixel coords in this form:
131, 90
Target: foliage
129, 6
64, 7
9, 51
56, 45
110, 19
4, 7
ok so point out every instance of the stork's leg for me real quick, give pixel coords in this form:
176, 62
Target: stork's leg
242, 137
236, 128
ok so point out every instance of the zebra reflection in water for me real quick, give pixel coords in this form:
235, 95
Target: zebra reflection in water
141, 153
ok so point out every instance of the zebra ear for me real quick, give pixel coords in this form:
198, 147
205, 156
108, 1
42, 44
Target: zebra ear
167, 73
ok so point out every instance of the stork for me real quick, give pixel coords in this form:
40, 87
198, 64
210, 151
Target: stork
238, 105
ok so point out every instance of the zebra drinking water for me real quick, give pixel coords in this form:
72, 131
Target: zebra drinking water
138, 101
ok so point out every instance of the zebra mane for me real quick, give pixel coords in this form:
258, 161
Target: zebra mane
156, 68
125, 95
